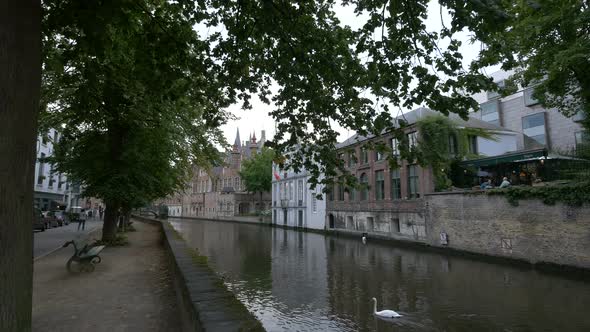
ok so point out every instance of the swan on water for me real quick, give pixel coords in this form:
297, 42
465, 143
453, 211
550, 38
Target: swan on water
384, 313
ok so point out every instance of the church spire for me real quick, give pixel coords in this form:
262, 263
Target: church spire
237, 144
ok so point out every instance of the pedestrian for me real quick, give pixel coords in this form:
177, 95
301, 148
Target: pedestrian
82, 220
100, 212
505, 183
486, 184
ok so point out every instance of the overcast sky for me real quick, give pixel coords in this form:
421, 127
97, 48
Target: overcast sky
257, 119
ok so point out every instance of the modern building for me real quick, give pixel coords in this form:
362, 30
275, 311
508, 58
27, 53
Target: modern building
294, 203
219, 191
522, 113
389, 202
52, 189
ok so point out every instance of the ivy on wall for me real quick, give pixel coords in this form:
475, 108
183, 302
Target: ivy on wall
571, 194
442, 142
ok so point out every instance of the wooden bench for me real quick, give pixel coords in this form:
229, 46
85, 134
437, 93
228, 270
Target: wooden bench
84, 257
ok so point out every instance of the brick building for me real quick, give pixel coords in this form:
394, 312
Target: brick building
219, 191
391, 204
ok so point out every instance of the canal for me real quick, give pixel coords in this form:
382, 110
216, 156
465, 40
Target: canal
297, 281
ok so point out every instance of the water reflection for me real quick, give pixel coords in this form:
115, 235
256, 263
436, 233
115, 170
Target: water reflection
307, 282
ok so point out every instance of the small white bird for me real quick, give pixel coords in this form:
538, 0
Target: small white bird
364, 239
384, 313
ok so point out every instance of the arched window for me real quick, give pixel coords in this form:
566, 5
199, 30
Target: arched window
364, 180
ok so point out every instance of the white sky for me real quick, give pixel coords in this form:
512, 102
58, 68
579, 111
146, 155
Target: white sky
257, 118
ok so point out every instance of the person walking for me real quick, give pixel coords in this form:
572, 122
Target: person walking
100, 212
82, 220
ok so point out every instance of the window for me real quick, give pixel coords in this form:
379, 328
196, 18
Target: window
364, 180
351, 159
490, 112
340, 192
452, 144
413, 140
496, 94
44, 138
472, 144
314, 202
582, 137
40, 176
395, 222
379, 185
351, 194
396, 185
300, 190
55, 137
394, 147
331, 192
534, 127
364, 156
51, 179
291, 190
413, 182
529, 100
59, 181
378, 155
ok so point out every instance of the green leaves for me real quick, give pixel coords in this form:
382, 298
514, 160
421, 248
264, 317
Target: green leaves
257, 171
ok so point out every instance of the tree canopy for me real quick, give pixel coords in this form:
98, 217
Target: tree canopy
256, 172
140, 86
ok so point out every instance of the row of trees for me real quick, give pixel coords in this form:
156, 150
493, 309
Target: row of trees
140, 95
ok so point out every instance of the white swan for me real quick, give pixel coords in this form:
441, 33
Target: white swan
384, 313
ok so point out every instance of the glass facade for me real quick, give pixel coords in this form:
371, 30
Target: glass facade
534, 127
490, 112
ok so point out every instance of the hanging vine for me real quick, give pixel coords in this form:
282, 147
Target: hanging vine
442, 142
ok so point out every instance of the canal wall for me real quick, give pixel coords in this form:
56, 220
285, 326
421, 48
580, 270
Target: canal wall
205, 304
532, 231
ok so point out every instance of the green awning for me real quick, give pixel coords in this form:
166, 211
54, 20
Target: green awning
505, 158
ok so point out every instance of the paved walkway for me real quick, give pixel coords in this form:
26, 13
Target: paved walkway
53, 238
130, 290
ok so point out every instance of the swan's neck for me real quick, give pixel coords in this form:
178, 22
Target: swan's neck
374, 307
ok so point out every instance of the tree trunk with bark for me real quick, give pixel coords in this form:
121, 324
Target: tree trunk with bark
20, 85
109, 226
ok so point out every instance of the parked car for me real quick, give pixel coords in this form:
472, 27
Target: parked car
39, 222
61, 217
50, 217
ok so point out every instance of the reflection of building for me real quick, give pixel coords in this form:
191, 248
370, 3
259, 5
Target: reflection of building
522, 113
294, 203
389, 202
52, 189
219, 191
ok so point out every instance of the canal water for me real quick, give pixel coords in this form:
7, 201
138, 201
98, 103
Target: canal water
297, 281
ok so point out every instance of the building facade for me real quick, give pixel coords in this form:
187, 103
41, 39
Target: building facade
220, 191
294, 203
52, 190
390, 201
522, 113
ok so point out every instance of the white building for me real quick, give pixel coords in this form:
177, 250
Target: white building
294, 204
52, 189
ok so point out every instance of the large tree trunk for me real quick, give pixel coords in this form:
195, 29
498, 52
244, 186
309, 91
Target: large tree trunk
109, 226
20, 85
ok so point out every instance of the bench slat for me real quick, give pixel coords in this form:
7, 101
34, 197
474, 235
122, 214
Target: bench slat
92, 251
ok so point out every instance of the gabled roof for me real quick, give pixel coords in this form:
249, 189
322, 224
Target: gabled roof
422, 112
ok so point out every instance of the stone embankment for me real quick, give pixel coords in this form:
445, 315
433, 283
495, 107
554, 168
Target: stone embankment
205, 304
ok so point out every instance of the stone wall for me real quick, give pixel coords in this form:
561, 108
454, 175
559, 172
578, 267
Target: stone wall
204, 303
397, 220
533, 232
